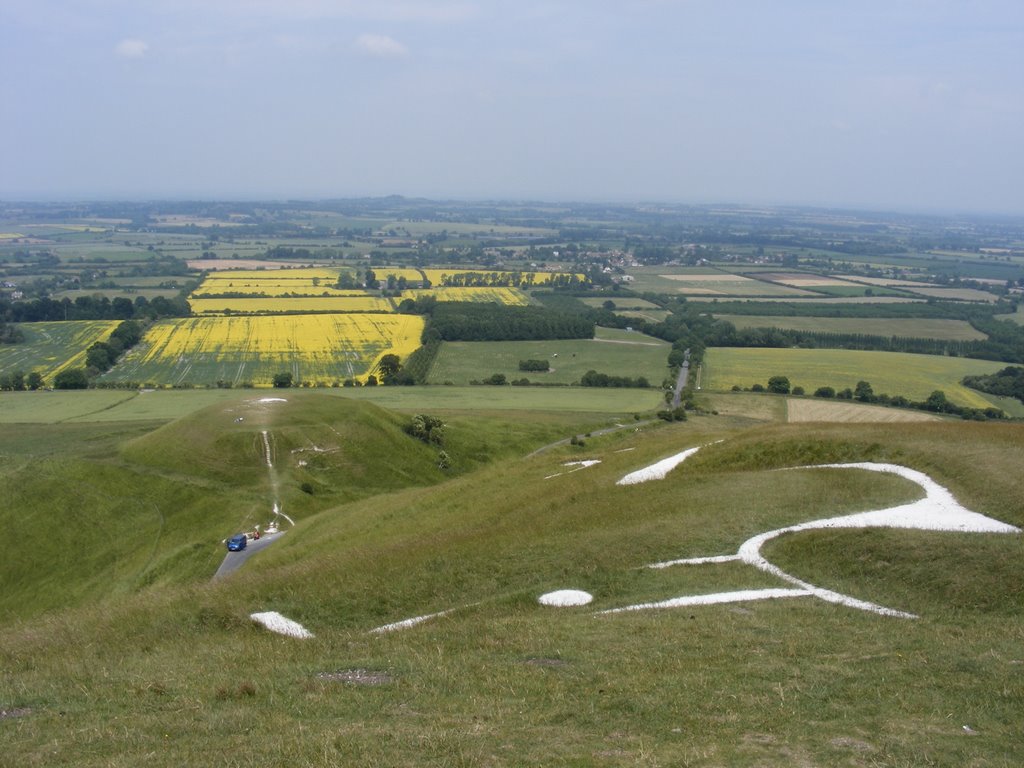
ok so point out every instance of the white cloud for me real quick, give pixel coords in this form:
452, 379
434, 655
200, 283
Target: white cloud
381, 46
131, 48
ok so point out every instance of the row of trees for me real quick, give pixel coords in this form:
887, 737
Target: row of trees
92, 308
594, 379
863, 392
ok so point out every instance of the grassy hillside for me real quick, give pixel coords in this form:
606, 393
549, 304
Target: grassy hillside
180, 673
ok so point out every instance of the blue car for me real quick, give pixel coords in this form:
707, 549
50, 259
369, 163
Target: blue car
237, 542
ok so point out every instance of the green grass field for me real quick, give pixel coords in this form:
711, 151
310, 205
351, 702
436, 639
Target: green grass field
621, 302
704, 283
110, 405
893, 373
155, 664
616, 353
923, 328
51, 347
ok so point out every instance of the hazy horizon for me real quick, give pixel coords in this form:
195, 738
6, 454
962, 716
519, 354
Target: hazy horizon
881, 106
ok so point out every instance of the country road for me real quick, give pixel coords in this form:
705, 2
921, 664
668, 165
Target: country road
234, 560
684, 373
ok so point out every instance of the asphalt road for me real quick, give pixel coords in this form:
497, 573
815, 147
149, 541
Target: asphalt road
684, 373
234, 560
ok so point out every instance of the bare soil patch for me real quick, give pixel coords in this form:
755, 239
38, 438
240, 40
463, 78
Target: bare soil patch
6, 714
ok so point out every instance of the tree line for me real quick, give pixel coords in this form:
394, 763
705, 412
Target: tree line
92, 308
1009, 382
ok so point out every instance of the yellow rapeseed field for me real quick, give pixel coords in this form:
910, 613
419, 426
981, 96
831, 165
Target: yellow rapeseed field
526, 278
325, 274
272, 288
381, 273
314, 348
282, 304
511, 296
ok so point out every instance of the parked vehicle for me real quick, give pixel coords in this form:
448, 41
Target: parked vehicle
237, 542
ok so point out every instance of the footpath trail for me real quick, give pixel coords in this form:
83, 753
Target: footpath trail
235, 560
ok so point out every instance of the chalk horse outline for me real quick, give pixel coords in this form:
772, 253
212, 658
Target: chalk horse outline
937, 511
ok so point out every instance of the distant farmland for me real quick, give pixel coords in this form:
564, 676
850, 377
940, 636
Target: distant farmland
921, 328
51, 347
463, 361
316, 348
893, 373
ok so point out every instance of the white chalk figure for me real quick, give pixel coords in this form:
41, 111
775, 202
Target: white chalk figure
937, 511
281, 625
565, 598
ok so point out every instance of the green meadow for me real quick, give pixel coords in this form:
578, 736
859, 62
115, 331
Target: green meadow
615, 352
892, 373
921, 328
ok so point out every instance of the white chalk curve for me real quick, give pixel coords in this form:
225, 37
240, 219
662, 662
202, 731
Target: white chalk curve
282, 625
937, 511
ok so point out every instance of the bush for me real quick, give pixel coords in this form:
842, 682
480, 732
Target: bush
534, 365
71, 378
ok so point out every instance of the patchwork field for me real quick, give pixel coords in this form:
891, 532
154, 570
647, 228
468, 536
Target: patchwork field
324, 348
51, 347
921, 328
463, 361
893, 373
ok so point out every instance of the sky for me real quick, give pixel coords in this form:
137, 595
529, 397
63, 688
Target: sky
913, 105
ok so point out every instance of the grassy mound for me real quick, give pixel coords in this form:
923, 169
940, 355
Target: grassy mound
80, 527
503, 681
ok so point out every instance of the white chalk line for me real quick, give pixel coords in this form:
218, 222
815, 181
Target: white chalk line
937, 511
740, 596
405, 623
659, 469
266, 448
282, 625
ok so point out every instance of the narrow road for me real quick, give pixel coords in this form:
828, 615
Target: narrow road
684, 374
234, 560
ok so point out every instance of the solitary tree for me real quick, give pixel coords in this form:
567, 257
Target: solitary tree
71, 378
779, 385
863, 392
389, 366
283, 380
